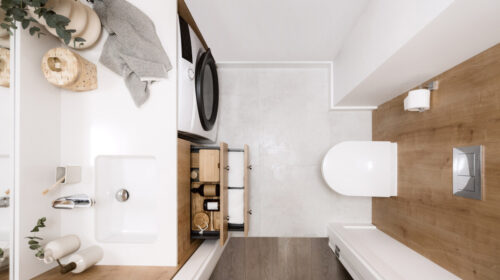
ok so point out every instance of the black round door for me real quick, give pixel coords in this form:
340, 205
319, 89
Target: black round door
207, 90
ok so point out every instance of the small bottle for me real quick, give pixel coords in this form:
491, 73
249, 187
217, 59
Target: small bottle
61, 247
84, 259
207, 190
211, 205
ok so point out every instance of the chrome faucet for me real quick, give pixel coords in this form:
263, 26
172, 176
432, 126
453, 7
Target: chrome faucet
73, 201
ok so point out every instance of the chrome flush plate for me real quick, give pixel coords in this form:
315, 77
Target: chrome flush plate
467, 172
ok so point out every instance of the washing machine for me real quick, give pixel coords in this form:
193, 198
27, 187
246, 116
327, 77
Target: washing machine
198, 88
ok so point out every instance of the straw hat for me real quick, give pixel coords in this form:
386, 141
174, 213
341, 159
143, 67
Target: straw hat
83, 20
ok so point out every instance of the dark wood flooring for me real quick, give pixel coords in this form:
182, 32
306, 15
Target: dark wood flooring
4, 274
278, 258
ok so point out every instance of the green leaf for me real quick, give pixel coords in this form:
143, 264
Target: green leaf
76, 40
40, 222
25, 23
32, 242
33, 237
53, 20
19, 13
35, 229
39, 254
34, 246
63, 34
33, 30
5, 26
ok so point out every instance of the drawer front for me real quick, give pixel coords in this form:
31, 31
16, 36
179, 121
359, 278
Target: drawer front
209, 165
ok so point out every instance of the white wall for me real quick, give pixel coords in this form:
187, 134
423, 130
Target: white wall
282, 113
383, 28
37, 152
278, 30
462, 30
106, 122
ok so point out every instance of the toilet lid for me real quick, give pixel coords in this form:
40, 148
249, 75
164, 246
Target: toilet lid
361, 168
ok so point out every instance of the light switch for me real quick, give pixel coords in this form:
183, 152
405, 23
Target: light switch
467, 172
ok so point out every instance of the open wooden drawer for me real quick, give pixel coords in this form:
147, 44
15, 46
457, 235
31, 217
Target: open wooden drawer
227, 170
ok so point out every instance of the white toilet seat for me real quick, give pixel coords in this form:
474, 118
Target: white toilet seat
362, 168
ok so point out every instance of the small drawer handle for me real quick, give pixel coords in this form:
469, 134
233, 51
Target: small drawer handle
249, 212
227, 168
227, 218
250, 167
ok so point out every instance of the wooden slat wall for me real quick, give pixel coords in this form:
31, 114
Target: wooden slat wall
462, 235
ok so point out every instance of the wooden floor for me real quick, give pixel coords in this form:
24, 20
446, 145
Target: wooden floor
4, 274
278, 258
102, 272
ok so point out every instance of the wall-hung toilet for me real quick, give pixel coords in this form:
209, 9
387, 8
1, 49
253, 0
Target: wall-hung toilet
362, 168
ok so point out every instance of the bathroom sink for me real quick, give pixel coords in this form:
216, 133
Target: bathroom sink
126, 204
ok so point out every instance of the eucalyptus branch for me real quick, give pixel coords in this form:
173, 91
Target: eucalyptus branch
34, 241
18, 11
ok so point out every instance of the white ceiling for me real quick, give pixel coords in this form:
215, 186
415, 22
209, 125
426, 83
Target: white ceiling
275, 30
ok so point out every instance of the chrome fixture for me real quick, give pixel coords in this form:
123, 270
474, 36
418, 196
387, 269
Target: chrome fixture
467, 172
122, 195
4, 202
73, 201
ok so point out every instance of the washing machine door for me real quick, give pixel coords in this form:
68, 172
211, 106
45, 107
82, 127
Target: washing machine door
207, 90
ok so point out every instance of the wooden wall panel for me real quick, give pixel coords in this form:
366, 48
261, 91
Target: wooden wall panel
462, 235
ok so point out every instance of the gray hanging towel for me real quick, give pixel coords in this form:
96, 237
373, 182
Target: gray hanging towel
133, 50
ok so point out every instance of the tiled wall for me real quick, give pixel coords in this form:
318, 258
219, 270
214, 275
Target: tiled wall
283, 115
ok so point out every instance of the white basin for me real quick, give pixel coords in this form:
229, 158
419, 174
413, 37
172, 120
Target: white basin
136, 219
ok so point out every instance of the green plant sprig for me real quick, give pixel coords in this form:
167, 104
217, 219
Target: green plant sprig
34, 241
17, 11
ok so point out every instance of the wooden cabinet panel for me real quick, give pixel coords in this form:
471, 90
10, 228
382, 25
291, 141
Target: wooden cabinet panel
209, 165
223, 192
185, 245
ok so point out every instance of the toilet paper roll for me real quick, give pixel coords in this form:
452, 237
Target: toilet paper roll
61, 247
418, 100
86, 258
